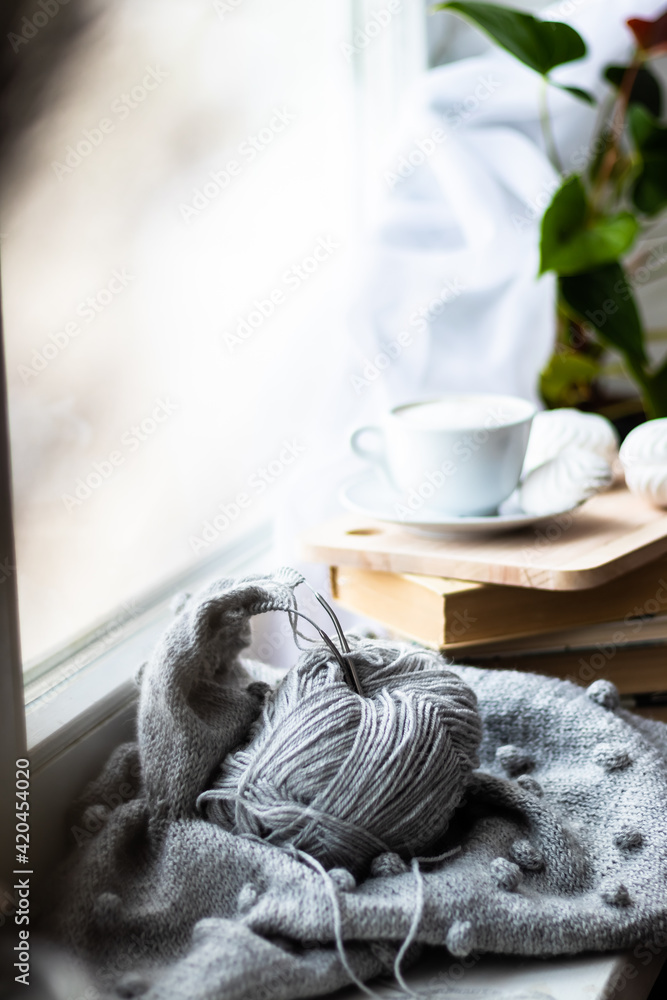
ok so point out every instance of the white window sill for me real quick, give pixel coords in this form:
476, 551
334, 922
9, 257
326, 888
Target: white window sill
76, 690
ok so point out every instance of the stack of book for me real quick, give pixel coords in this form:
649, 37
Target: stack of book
583, 597
616, 631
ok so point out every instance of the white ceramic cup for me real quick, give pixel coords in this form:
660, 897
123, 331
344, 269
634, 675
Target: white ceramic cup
457, 455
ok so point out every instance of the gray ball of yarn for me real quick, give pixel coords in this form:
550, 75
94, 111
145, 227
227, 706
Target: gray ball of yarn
344, 777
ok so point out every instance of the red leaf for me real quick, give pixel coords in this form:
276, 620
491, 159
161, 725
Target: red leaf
651, 35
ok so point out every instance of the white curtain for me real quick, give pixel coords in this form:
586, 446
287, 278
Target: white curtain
446, 291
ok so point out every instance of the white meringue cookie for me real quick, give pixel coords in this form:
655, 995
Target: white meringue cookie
563, 482
648, 481
554, 430
646, 444
643, 456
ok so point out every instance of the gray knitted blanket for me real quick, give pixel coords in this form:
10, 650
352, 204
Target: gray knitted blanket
561, 836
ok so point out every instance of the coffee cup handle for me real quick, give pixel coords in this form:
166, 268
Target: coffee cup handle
374, 454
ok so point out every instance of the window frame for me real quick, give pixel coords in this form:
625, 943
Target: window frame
12, 717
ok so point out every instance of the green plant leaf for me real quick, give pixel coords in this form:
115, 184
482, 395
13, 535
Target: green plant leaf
645, 90
573, 241
649, 192
565, 216
657, 392
542, 45
583, 95
603, 297
567, 378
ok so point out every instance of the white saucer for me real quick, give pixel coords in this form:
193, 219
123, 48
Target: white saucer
367, 494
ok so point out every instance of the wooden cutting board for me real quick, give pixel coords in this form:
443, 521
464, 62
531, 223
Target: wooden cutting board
609, 535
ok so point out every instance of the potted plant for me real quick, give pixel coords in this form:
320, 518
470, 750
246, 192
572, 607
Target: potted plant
593, 233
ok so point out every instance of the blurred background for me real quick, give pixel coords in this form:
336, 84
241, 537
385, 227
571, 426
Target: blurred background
123, 301
177, 236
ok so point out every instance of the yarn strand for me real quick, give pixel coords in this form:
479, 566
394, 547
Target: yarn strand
414, 927
338, 923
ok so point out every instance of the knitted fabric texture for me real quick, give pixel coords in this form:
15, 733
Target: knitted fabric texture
561, 832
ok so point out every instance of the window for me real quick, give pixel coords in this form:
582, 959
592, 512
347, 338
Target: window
173, 239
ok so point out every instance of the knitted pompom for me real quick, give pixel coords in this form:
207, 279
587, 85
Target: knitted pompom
460, 939
530, 785
628, 838
343, 879
615, 894
604, 693
506, 874
514, 760
388, 863
527, 856
247, 898
612, 757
